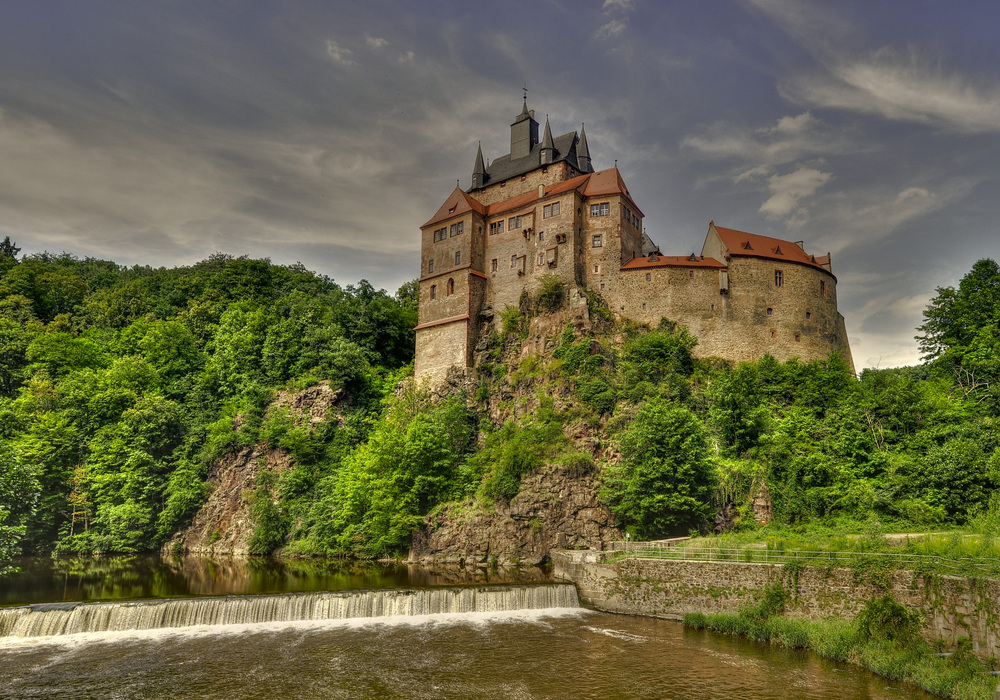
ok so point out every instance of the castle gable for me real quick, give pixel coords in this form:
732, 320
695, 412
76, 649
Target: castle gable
458, 203
504, 168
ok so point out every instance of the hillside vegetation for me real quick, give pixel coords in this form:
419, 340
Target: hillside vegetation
119, 387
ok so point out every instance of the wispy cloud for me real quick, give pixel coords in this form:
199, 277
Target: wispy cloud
612, 30
338, 53
622, 5
788, 190
376, 42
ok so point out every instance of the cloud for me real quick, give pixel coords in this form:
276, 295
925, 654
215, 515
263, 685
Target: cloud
611, 30
376, 42
338, 53
902, 87
787, 190
407, 57
622, 5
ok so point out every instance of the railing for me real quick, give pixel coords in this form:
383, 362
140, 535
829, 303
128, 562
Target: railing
615, 551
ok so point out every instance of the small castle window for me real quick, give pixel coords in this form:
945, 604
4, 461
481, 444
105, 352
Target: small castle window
597, 269
602, 286
513, 223
770, 311
440, 234
513, 261
493, 265
598, 241
451, 287
434, 291
430, 266
713, 307
644, 306
779, 278
541, 236
808, 315
541, 258
648, 277
798, 338
550, 210
690, 273
822, 289
602, 209
457, 229
773, 333
458, 257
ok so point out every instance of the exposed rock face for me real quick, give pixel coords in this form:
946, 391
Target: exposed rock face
223, 526
554, 510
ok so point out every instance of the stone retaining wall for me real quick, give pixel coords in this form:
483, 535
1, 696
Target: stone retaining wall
953, 607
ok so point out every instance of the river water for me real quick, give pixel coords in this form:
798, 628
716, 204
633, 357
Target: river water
554, 652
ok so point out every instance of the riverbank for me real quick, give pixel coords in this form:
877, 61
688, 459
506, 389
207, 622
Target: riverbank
821, 603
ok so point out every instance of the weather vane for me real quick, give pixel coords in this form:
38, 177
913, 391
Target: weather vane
525, 88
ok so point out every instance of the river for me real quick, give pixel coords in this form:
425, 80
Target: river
547, 652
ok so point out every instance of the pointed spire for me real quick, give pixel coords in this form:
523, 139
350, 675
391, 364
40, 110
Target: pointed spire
548, 152
524, 109
583, 152
479, 170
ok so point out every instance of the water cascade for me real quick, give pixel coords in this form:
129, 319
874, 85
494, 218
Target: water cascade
73, 618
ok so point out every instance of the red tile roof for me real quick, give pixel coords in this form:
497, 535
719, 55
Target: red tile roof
602, 183
655, 260
458, 203
751, 245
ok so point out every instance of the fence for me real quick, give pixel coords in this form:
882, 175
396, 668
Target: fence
668, 549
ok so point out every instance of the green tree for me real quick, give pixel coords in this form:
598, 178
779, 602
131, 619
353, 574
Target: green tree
665, 478
19, 490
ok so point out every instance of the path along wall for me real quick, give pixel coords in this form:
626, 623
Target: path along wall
953, 607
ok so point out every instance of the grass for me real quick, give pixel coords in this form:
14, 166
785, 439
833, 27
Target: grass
961, 676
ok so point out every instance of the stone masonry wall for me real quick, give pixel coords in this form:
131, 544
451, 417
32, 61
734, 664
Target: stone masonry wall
953, 607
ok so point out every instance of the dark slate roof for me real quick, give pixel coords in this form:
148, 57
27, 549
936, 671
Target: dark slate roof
648, 247
503, 168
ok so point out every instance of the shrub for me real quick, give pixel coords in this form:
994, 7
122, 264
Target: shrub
885, 619
550, 293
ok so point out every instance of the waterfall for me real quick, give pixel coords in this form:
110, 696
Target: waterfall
71, 618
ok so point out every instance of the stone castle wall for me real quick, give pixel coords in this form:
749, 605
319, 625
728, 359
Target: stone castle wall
952, 607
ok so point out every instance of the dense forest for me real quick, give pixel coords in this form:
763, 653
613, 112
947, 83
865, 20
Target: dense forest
119, 387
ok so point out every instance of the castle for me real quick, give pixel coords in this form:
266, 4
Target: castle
543, 210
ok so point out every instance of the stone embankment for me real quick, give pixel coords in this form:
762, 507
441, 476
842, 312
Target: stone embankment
953, 607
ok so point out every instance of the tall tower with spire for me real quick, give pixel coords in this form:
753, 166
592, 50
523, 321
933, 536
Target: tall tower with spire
523, 133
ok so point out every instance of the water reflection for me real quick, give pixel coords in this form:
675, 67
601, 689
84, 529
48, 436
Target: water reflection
87, 578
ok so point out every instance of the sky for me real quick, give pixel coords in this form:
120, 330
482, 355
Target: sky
325, 132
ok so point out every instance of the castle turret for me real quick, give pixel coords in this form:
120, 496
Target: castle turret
583, 152
478, 170
548, 148
523, 133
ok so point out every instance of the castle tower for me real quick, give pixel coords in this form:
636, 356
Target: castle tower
523, 133
548, 148
582, 151
478, 170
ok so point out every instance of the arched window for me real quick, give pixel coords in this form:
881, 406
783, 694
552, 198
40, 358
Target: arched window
434, 291
451, 287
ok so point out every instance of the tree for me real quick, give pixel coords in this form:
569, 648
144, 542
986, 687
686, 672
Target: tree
18, 495
954, 317
665, 478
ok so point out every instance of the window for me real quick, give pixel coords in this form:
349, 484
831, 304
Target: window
451, 287
773, 333
434, 291
513, 223
430, 266
458, 257
493, 265
496, 227
550, 210
457, 229
597, 269
779, 278
541, 235
597, 240
690, 273
822, 289
602, 286
513, 261
770, 311
602, 209
439, 234
713, 307
541, 258
644, 307
648, 277
808, 315
798, 338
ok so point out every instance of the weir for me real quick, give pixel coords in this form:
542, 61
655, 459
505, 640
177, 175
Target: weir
74, 618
